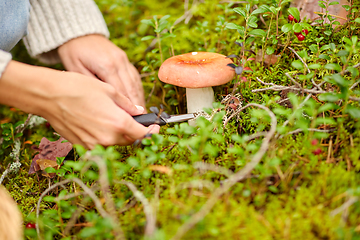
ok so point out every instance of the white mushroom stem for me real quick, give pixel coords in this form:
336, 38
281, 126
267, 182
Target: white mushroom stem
199, 98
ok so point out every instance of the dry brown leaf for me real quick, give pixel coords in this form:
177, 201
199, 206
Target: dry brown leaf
49, 151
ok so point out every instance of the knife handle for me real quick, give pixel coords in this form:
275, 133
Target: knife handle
148, 119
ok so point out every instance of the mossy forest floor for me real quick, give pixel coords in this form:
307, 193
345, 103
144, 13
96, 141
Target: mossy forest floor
281, 163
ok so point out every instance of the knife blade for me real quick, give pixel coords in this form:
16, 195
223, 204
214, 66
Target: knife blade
153, 118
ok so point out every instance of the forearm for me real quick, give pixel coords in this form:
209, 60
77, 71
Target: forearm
25, 87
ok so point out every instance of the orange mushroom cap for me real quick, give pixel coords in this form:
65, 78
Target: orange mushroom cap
196, 70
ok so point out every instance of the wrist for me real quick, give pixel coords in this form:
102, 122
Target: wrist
26, 87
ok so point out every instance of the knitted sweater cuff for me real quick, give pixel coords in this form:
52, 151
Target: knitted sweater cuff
5, 58
54, 22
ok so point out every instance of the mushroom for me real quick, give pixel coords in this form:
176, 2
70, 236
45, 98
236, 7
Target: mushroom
197, 72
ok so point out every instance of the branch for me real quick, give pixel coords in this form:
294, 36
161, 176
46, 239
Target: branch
105, 188
148, 210
238, 176
214, 168
86, 189
302, 60
345, 206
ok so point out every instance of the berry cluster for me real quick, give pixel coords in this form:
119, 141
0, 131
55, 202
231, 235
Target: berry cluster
299, 35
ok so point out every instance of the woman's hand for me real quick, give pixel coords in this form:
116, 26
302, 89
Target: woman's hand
82, 109
97, 57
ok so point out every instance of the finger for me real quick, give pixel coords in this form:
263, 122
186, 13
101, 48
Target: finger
154, 128
134, 88
124, 103
83, 70
136, 131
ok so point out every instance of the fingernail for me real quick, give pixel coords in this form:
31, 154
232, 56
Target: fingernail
140, 108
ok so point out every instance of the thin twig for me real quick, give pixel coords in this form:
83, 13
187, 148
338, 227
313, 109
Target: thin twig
148, 210
75, 216
105, 188
345, 206
293, 80
214, 168
76, 194
200, 184
302, 60
86, 189
206, 208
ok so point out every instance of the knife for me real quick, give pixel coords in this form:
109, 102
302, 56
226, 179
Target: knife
153, 118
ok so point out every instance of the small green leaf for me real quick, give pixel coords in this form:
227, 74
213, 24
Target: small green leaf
50, 170
294, 12
60, 160
333, 3
258, 32
340, 80
275, 10
247, 7
258, 11
147, 38
329, 121
314, 48
297, 27
322, 5
328, 32
347, 7
133, 161
314, 66
273, 189
297, 64
163, 19
342, 53
333, 66
324, 56
240, 11
286, 28
330, 97
233, 26
357, 20
353, 111
270, 50
148, 22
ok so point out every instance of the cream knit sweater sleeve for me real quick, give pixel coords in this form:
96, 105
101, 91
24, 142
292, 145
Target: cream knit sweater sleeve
54, 22
5, 58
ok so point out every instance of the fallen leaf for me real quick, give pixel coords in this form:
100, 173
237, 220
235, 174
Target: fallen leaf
268, 59
45, 163
49, 151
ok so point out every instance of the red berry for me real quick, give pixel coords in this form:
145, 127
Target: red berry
317, 151
30, 225
300, 37
314, 142
296, 20
296, 33
291, 18
305, 31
